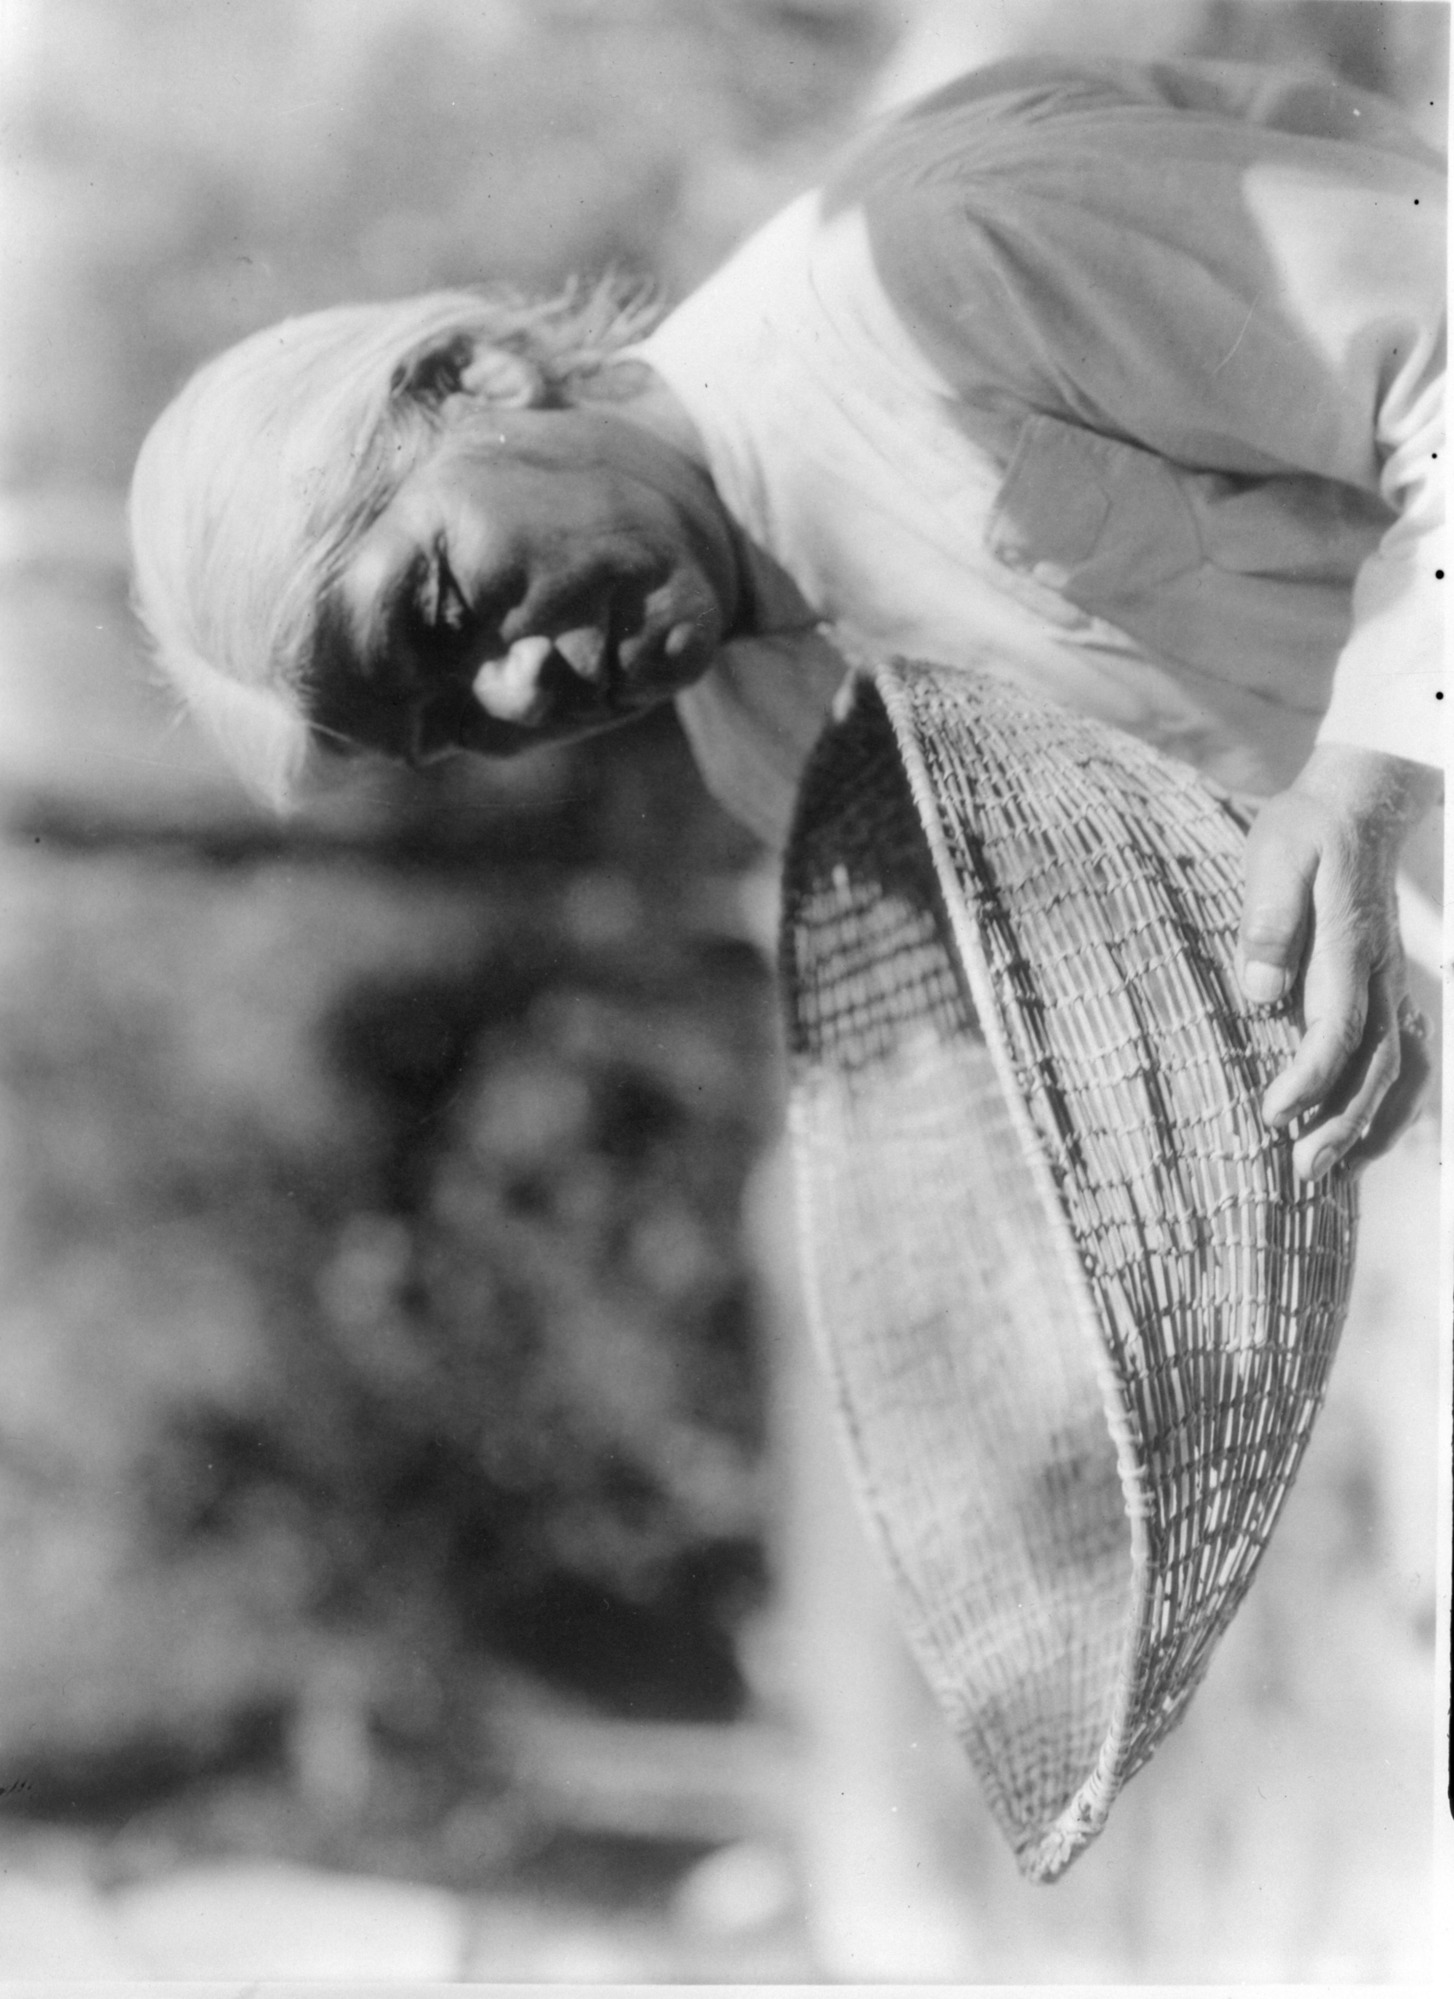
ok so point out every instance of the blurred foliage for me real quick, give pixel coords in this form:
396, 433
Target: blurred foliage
375, 1279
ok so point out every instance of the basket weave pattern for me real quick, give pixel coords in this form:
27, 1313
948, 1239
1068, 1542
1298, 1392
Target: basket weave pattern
1078, 1313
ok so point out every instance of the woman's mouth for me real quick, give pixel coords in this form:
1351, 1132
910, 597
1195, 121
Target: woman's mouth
586, 667
536, 677
513, 687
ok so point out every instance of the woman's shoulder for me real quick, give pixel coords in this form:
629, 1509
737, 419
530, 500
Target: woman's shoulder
1011, 116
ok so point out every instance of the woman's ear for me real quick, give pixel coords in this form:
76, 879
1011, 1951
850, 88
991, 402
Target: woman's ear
434, 374
496, 375
464, 366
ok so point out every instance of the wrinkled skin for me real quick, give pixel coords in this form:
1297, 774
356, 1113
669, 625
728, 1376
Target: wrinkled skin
1322, 859
537, 575
540, 574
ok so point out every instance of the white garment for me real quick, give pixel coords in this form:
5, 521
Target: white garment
1094, 505
794, 340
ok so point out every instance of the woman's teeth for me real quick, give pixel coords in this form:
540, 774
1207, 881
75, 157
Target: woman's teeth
510, 689
584, 652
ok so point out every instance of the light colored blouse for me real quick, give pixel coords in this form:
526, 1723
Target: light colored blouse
1124, 382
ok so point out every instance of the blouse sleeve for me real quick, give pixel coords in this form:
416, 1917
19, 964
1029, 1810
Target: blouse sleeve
1232, 292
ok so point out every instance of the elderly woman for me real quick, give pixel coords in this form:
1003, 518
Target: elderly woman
1124, 382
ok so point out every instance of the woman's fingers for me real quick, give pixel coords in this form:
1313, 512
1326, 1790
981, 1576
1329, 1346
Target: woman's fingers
1319, 919
1397, 1110
1338, 1027
1362, 1078
1277, 903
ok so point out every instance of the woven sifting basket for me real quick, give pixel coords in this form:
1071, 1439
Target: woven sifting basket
1077, 1311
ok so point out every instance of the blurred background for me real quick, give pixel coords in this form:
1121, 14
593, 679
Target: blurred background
420, 1552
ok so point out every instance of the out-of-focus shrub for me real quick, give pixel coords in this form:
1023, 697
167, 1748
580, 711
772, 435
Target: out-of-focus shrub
375, 1276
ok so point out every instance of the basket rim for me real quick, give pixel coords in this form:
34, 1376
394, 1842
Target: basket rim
1085, 1814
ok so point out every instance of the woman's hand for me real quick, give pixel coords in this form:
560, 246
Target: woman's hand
1322, 858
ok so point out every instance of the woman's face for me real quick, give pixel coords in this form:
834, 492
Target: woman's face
538, 575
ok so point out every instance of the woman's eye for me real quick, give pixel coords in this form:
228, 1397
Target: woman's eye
453, 611
439, 600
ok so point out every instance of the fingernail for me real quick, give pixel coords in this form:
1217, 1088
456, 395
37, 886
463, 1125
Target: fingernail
1322, 1162
1263, 983
1277, 1108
